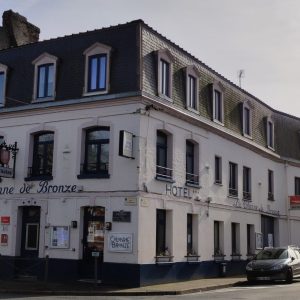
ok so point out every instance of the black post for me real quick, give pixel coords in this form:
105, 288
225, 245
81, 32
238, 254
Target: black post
46, 268
96, 270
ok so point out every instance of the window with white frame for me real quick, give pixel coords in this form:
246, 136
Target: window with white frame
247, 120
297, 185
246, 183
97, 69
218, 170
164, 73
192, 88
270, 133
218, 238
218, 103
44, 77
233, 179
3, 76
235, 239
192, 170
270, 185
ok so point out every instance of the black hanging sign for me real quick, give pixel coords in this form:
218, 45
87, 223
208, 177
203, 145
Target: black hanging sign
122, 216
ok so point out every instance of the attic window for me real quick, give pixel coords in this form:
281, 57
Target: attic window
44, 77
3, 76
218, 103
192, 88
97, 68
247, 119
270, 133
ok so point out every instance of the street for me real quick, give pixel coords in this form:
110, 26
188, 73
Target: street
253, 292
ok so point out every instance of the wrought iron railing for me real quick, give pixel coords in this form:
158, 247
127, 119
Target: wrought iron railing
94, 168
35, 172
233, 192
164, 172
192, 179
246, 196
270, 196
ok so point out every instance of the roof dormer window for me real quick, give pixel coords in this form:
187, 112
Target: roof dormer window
192, 88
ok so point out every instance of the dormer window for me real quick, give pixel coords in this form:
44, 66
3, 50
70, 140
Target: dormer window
3, 75
270, 133
192, 88
247, 120
164, 71
218, 103
97, 67
44, 77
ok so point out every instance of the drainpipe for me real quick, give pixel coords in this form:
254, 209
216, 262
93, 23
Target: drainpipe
287, 202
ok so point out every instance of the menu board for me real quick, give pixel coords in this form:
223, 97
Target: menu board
60, 237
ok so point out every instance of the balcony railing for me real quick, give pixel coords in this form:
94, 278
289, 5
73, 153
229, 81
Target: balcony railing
164, 173
246, 196
192, 179
39, 172
270, 196
93, 168
233, 192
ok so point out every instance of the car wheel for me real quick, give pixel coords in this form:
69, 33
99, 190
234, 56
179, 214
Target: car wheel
289, 276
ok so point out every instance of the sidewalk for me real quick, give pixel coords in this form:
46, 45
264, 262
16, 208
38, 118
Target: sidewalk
85, 289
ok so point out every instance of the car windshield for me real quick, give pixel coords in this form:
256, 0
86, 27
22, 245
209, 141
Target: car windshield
272, 254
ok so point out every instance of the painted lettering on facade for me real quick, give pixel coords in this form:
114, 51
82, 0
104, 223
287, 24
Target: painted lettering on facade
120, 242
178, 191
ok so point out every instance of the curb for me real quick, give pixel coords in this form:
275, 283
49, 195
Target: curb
118, 293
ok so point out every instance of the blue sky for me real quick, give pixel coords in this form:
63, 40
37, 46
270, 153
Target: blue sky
260, 36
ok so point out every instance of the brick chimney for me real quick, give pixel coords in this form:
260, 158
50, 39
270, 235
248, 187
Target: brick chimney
16, 30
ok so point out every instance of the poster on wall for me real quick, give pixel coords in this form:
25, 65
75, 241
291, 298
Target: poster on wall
120, 242
258, 241
4, 239
60, 237
126, 144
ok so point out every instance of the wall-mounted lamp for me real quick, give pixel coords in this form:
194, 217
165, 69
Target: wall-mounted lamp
207, 166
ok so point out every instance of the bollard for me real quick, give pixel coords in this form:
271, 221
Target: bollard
96, 270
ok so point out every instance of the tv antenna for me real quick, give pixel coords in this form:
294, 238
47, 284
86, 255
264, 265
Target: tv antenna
241, 74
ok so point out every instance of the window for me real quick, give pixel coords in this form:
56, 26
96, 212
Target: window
42, 156
192, 178
246, 183
44, 77
218, 170
161, 232
96, 155
297, 185
235, 239
233, 179
270, 133
162, 156
190, 234
164, 71
3, 75
247, 120
218, 103
250, 240
45, 81
97, 73
270, 185
97, 69
192, 88
218, 238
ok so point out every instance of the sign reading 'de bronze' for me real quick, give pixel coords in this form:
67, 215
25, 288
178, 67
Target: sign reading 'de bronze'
43, 188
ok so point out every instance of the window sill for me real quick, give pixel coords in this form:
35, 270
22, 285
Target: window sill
39, 100
164, 259
247, 136
39, 178
165, 97
218, 122
192, 258
218, 183
161, 178
194, 185
271, 148
233, 196
86, 94
193, 110
93, 176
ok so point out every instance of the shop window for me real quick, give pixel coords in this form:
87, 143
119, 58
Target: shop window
164, 73
250, 240
164, 233
218, 238
96, 153
192, 170
3, 76
233, 179
42, 159
44, 77
163, 156
97, 69
235, 240
246, 183
247, 120
192, 88
270, 185
297, 185
218, 170
192, 235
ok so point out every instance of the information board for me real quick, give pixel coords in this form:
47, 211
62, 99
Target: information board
60, 237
